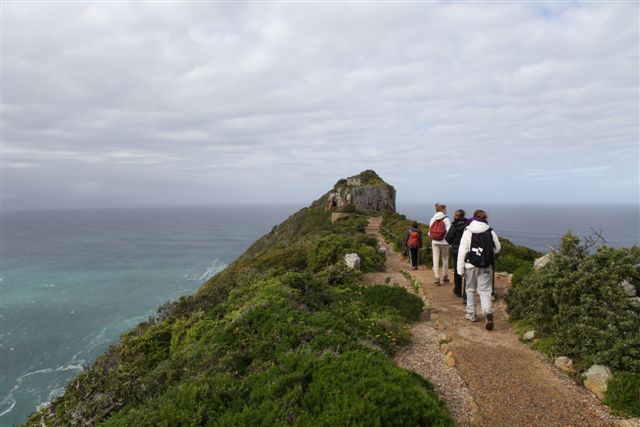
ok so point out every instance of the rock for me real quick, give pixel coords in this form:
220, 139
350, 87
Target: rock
628, 288
564, 363
449, 360
635, 300
596, 379
382, 248
352, 261
542, 261
529, 335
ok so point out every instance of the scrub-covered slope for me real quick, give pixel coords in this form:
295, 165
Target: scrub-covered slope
287, 335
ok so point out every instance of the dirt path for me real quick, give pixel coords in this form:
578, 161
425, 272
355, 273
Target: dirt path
486, 377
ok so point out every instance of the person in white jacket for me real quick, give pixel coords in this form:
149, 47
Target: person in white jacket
478, 277
439, 246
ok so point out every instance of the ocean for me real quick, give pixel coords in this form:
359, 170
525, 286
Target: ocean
73, 281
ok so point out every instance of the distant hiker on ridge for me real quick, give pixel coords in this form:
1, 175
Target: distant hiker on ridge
453, 237
413, 242
476, 257
438, 227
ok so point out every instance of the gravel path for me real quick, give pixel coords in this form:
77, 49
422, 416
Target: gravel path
486, 377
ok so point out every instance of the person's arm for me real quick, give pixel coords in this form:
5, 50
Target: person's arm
420, 238
465, 243
447, 223
496, 242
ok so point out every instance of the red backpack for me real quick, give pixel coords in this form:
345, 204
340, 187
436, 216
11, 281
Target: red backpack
413, 241
438, 230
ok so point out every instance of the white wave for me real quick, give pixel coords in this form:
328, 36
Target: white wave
213, 268
11, 402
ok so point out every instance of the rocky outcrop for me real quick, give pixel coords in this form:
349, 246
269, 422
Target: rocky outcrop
366, 192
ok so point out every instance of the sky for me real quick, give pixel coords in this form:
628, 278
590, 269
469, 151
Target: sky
116, 104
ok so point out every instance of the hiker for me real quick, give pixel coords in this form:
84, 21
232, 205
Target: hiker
453, 237
413, 242
438, 227
476, 256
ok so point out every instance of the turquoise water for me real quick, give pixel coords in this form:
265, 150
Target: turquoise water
73, 281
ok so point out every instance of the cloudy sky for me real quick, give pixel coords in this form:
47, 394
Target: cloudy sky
130, 104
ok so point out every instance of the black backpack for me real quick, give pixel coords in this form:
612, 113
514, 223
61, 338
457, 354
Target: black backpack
482, 250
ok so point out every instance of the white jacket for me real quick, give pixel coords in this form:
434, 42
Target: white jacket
447, 224
475, 227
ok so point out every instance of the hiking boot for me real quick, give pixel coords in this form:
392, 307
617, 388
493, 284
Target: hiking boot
446, 280
437, 282
489, 319
471, 317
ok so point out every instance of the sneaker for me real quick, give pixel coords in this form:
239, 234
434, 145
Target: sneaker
489, 319
471, 317
437, 282
446, 280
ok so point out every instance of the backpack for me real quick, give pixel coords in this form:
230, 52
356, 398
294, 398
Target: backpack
482, 250
413, 241
438, 230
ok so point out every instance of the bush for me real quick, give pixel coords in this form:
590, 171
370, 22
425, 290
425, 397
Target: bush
331, 249
623, 394
577, 299
407, 305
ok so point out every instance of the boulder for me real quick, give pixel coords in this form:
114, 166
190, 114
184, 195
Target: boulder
542, 261
596, 379
564, 363
529, 335
352, 261
628, 288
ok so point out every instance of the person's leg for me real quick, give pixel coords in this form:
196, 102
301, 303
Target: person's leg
444, 251
414, 257
484, 289
436, 261
471, 280
457, 279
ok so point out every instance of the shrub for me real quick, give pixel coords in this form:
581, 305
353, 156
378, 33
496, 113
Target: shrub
577, 299
407, 305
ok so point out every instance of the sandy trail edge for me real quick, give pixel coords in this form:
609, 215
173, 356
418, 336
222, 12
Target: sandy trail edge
486, 378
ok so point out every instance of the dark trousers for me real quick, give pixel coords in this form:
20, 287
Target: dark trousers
413, 256
458, 288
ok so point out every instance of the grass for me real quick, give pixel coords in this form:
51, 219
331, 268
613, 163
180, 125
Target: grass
623, 394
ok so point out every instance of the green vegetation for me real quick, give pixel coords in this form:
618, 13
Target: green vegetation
394, 228
578, 308
285, 335
623, 394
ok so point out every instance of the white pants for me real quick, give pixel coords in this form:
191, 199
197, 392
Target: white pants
478, 279
440, 251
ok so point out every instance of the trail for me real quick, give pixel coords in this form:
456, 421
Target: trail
487, 378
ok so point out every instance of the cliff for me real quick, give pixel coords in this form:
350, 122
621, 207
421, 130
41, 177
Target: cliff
285, 335
366, 192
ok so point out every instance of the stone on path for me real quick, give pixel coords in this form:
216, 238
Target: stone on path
564, 363
596, 379
352, 261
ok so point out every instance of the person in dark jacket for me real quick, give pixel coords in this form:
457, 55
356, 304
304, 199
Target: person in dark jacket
453, 237
413, 243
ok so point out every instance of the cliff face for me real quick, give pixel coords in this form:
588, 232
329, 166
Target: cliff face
365, 192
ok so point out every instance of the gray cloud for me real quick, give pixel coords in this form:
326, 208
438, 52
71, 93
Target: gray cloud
167, 103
